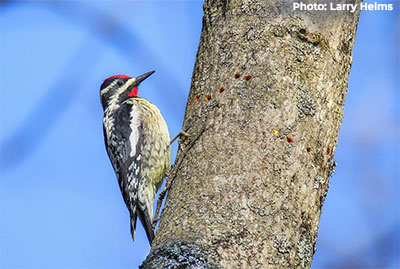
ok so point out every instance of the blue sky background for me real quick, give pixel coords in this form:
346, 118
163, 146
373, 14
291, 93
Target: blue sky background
60, 205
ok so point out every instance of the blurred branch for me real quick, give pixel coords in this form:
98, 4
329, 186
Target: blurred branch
39, 122
48, 110
116, 34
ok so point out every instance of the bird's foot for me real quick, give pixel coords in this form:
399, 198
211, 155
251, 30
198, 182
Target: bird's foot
179, 134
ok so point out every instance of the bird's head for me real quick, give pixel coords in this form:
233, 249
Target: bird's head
120, 87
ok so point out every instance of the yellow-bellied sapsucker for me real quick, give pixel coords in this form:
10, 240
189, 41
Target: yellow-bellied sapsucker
137, 142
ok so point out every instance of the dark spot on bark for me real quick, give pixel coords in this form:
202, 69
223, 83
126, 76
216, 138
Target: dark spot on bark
294, 178
311, 38
344, 47
305, 104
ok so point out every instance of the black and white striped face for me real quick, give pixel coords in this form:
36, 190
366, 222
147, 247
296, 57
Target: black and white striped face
117, 89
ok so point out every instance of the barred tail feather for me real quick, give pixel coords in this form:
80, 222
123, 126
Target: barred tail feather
133, 225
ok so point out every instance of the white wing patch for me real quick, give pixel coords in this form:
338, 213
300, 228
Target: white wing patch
134, 126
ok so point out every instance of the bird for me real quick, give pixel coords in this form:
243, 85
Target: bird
138, 145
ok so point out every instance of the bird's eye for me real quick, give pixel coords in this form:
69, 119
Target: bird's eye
120, 83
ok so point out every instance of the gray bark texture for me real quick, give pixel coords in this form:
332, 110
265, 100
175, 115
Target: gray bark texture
264, 112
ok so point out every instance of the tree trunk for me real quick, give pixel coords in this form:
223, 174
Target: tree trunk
264, 112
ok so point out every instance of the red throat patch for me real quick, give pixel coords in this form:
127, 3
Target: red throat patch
133, 92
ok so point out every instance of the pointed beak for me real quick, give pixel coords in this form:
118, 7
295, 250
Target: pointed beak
143, 77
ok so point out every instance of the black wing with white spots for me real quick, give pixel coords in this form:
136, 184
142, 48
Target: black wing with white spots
127, 163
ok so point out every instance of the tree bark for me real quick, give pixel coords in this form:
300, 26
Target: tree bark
264, 112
